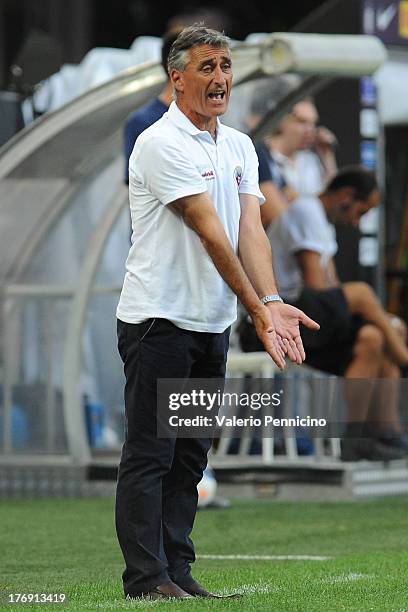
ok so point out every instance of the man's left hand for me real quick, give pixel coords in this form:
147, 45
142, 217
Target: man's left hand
286, 320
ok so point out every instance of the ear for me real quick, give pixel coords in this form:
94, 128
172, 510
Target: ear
177, 79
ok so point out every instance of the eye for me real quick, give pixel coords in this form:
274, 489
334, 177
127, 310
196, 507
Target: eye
207, 69
226, 67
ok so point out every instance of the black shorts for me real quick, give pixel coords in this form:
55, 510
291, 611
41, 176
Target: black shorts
331, 348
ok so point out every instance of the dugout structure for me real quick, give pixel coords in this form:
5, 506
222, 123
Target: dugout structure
64, 237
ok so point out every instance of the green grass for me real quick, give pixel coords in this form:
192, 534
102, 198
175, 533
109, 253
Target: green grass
70, 546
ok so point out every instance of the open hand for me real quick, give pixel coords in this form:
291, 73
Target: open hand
277, 327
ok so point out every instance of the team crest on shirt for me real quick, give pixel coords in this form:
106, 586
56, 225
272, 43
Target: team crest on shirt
238, 175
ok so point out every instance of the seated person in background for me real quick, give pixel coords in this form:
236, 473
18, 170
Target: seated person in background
151, 112
296, 159
357, 338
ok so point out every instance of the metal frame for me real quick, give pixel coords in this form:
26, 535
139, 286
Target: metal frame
259, 365
78, 442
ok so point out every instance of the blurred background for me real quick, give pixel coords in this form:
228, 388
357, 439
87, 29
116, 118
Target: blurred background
71, 72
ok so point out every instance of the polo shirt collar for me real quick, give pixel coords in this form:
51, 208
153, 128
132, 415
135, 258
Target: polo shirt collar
177, 117
282, 159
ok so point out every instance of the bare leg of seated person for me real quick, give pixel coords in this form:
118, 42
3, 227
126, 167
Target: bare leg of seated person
385, 407
362, 372
363, 301
384, 412
361, 381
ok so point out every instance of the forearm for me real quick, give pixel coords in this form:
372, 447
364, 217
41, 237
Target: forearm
200, 215
314, 275
331, 276
256, 257
218, 247
325, 148
279, 335
329, 164
362, 300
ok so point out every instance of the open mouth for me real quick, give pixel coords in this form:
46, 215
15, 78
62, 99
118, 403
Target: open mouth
217, 95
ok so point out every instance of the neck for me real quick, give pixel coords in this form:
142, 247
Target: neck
278, 144
327, 202
205, 124
213, 132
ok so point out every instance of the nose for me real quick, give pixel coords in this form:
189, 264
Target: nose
219, 76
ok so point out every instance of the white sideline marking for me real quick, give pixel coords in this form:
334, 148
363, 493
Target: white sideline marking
252, 589
347, 578
267, 557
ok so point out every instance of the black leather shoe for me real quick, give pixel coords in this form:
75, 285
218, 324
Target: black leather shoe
355, 449
167, 590
394, 440
195, 589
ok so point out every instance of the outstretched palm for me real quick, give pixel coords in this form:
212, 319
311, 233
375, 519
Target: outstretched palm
277, 326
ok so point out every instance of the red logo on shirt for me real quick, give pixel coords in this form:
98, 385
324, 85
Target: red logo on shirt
208, 175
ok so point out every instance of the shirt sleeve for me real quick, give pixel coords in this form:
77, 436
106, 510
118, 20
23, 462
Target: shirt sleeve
134, 126
303, 229
264, 168
250, 179
269, 169
166, 170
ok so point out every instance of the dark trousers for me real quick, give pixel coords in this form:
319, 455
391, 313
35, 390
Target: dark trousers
156, 498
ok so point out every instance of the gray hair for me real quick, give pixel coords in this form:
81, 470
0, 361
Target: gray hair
193, 36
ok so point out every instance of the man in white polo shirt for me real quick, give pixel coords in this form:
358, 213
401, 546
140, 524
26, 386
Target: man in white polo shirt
194, 200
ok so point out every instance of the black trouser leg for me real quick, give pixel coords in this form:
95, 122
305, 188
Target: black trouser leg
149, 352
180, 494
180, 497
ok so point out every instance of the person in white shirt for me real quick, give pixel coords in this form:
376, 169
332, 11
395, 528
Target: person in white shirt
295, 160
357, 339
194, 200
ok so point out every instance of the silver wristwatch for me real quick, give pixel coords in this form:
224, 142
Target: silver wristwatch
271, 298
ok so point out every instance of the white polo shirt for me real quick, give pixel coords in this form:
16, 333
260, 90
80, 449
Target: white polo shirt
304, 172
304, 226
168, 271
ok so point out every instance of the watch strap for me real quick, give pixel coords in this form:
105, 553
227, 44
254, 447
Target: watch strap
271, 298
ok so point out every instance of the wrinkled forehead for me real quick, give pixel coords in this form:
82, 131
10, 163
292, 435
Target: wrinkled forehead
204, 53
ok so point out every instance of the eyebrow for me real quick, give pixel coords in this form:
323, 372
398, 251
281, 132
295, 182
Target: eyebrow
304, 119
212, 60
